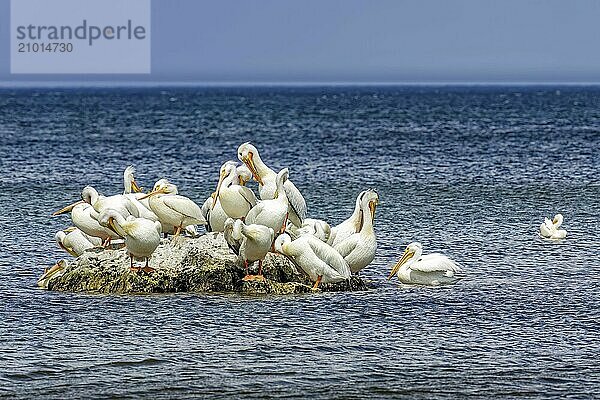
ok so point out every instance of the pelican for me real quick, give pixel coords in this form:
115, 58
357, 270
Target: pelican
549, 229
57, 270
141, 235
267, 181
316, 227
272, 213
236, 200
133, 192
351, 225
75, 242
359, 248
254, 243
321, 262
233, 242
214, 216
431, 269
85, 218
244, 174
172, 209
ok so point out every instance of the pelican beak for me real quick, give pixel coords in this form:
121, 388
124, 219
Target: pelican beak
216, 194
405, 257
49, 274
69, 229
67, 208
242, 182
372, 207
250, 164
112, 227
135, 188
152, 193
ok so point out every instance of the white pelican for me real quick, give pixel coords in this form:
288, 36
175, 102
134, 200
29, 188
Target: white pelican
118, 202
549, 229
359, 248
431, 269
57, 270
233, 242
212, 211
321, 262
272, 213
236, 200
267, 181
141, 235
84, 217
172, 209
316, 227
75, 242
244, 174
133, 192
254, 243
351, 225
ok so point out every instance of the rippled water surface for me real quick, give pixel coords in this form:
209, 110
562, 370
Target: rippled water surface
469, 172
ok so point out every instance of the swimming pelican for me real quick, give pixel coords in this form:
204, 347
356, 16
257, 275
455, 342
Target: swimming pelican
85, 217
75, 242
350, 226
254, 244
57, 270
172, 209
316, 227
549, 229
321, 262
141, 235
431, 269
359, 248
236, 200
272, 213
267, 181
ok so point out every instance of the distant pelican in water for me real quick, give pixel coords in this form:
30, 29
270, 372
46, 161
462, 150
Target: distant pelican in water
172, 209
141, 235
358, 249
267, 181
75, 242
431, 269
549, 229
321, 262
272, 213
236, 200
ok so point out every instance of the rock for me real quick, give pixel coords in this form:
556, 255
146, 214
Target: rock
183, 264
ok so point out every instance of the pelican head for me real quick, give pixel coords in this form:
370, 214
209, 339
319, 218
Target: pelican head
89, 195
247, 153
369, 199
557, 220
281, 241
413, 251
107, 219
57, 270
162, 186
226, 169
244, 174
282, 176
129, 181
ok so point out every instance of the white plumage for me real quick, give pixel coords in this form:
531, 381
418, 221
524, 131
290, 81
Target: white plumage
431, 269
549, 228
75, 242
272, 213
321, 262
267, 181
349, 226
236, 200
254, 243
358, 249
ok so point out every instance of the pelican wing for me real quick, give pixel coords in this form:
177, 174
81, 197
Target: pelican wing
295, 199
184, 206
329, 255
348, 245
248, 195
435, 262
254, 213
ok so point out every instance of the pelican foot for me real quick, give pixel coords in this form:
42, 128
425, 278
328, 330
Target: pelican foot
135, 269
148, 270
256, 278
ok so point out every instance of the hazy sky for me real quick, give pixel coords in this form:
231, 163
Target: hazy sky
358, 41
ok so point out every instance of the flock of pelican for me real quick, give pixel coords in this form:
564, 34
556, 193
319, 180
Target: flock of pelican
275, 221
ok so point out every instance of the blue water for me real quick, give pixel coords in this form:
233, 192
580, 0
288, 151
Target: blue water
467, 171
